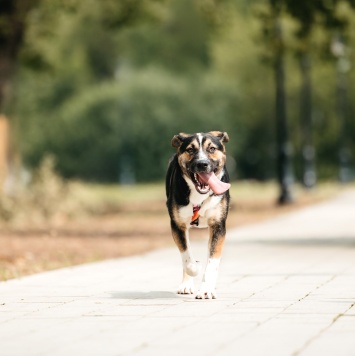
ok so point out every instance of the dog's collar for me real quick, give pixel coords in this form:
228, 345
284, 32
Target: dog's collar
195, 217
196, 212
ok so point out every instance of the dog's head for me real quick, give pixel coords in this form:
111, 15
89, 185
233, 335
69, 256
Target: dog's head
202, 157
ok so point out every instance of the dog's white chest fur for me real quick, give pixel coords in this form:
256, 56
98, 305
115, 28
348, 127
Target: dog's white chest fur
209, 206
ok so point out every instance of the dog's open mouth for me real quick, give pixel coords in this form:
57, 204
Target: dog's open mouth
201, 186
205, 181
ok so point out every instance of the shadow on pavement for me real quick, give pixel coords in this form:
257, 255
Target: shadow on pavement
144, 295
322, 242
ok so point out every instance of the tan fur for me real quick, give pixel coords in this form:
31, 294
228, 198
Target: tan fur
223, 136
216, 250
216, 246
180, 223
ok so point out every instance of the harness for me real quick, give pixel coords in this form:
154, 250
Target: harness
195, 217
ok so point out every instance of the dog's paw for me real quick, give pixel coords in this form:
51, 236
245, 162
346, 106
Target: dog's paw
187, 286
206, 292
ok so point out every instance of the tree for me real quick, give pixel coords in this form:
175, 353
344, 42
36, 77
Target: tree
273, 33
13, 14
336, 22
308, 14
65, 45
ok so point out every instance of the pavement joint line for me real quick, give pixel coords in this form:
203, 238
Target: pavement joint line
36, 310
322, 331
258, 324
261, 290
146, 344
316, 288
240, 278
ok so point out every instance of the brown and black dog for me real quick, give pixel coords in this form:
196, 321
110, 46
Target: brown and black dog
197, 184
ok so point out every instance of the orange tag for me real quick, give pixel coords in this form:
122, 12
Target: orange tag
196, 215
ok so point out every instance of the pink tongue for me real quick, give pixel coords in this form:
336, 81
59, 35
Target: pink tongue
217, 186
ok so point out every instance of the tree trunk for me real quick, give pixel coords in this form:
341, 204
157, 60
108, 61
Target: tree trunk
342, 104
6, 71
284, 174
309, 177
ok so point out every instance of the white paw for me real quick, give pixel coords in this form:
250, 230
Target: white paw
206, 292
187, 286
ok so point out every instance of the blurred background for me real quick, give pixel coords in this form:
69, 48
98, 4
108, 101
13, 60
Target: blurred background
91, 93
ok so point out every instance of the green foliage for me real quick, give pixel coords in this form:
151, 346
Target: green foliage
179, 42
98, 130
104, 85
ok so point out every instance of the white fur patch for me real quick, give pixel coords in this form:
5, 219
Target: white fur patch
187, 285
201, 153
208, 287
190, 266
191, 269
209, 206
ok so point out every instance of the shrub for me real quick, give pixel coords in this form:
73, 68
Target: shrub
122, 129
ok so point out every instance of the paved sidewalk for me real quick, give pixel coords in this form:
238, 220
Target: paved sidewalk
286, 287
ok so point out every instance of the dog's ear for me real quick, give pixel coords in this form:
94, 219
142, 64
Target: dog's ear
177, 140
222, 136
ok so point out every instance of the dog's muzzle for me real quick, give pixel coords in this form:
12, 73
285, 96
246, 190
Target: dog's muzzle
204, 179
202, 165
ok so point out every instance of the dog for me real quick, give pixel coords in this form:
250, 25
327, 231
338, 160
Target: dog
197, 190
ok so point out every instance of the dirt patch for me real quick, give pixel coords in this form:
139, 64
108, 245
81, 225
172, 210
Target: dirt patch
138, 228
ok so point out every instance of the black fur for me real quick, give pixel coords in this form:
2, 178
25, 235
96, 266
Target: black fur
177, 190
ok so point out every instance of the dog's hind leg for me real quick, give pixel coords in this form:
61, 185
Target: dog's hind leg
191, 268
216, 242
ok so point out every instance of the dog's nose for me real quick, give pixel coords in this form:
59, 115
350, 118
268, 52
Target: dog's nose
202, 165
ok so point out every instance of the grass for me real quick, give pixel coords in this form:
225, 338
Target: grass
97, 222
99, 198
117, 196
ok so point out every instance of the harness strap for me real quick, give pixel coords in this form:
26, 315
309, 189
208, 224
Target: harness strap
196, 215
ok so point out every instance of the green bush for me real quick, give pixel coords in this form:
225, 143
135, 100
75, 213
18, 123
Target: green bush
122, 129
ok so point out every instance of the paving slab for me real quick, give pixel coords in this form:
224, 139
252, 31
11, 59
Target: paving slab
286, 287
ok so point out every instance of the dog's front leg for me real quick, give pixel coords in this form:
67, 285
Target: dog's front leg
190, 266
216, 242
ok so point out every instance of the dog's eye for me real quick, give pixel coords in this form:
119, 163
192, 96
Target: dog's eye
190, 151
212, 149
